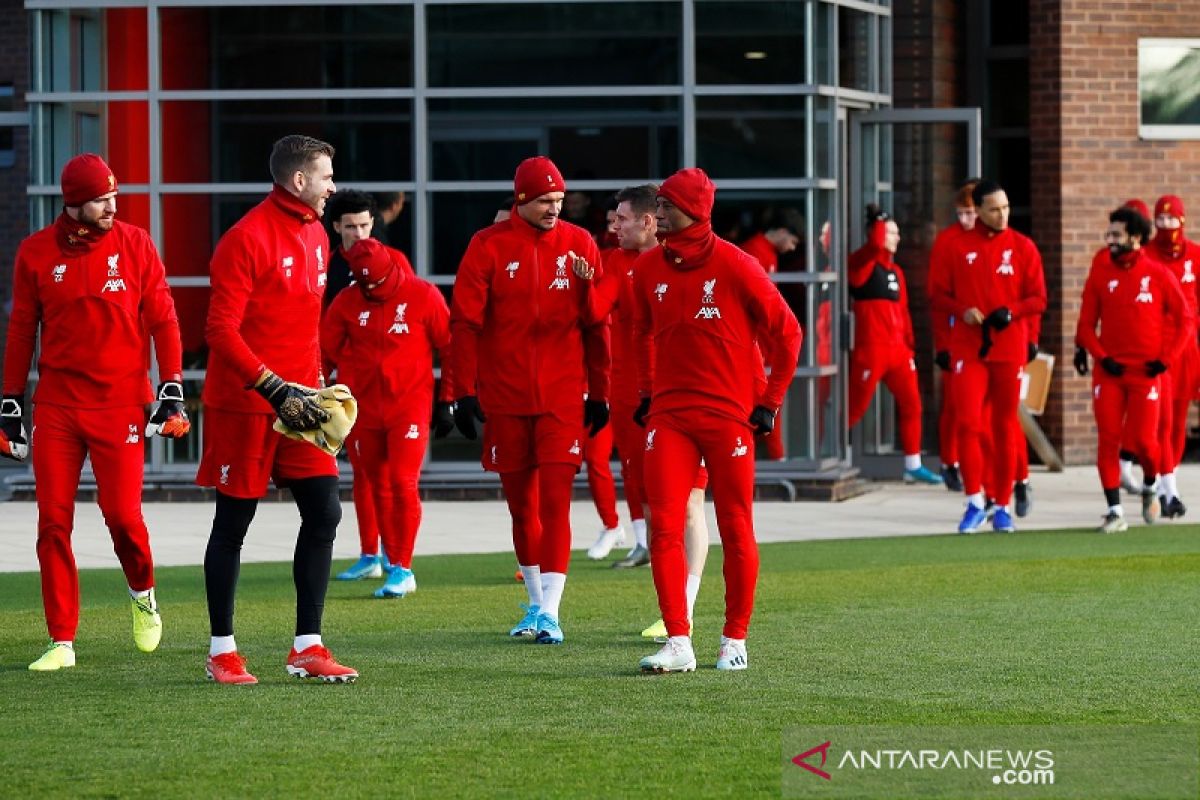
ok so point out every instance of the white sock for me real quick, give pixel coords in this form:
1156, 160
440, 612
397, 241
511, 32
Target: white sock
533, 583
685, 641
1150, 487
1168, 484
219, 645
140, 595
693, 589
976, 500
1120, 512
305, 641
65, 643
1127, 471
552, 592
913, 461
639, 533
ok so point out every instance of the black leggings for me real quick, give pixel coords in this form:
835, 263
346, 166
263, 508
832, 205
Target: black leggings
320, 512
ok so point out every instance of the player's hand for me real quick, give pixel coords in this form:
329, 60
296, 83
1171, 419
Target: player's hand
1081, 360
169, 419
763, 420
1000, 318
639, 414
1031, 351
595, 415
443, 420
466, 412
580, 266
1112, 366
942, 359
1155, 368
296, 406
973, 316
13, 442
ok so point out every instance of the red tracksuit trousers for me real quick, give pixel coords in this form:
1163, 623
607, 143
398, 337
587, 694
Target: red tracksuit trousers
539, 500
676, 441
948, 422
1126, 409
63, 437
895, 367
364, 503
597, 453
392, 457
631, 446
999, 384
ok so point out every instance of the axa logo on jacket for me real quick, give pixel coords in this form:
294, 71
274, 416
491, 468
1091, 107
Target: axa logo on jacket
708, 307
561, 280
114, 285
1006, 266
399, 325
1144, 294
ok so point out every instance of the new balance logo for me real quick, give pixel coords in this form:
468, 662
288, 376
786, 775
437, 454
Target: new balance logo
1188, 275
114, 285
1112, 285
133, 437
322, 279
650, 439
574, 449
363, 317
512, 268
414, 432
660, 290
971, 257
286, 266
320, 259
224, 474
866, 375
1153, 394
494, 459
739, 449
59, 272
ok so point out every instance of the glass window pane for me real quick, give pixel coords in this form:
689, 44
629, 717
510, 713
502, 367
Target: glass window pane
826, 53
71, 51
287, 47
750, 42
1008, 94
117, 130
456, 218
824, 130
854, 49
752, 137
224, 141
570, 44
589, 138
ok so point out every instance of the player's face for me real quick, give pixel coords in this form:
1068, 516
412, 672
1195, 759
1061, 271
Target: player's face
1118, 239
610, 221
891, 236
633, 230
786, 241
100, 212
542, 212
994, 210
668, 216
1168, 222
353, 228
966, 216
317, 184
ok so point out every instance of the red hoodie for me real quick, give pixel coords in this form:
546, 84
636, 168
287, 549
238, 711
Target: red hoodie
1176, 252
268, 275
522, 337
941, 260
95, 299
1139, 296
383, 347
880, 295
989, 270
761, 248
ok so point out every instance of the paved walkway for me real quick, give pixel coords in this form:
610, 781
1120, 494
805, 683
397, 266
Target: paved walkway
179, 531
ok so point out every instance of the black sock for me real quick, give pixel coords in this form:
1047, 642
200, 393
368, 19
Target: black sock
1112, 496
320, 512
223, 559
1125, 455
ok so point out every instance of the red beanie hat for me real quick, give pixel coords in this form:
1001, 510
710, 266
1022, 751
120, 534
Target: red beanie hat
369, 261
1138, 206
692, 193
85, 178
1170, 204
535, 177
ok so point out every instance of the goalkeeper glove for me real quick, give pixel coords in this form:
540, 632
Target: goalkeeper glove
13, 442
169, 418
296, 406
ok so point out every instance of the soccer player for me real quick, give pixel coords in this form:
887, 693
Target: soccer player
994, 280
883, 344
700, 305
268, 275
97, 291
1130, 293
524, 352
381, 335
941, 259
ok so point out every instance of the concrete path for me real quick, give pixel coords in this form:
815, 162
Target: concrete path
179, 531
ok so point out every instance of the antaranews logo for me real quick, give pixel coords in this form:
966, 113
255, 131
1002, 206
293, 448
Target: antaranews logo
802, 760
1011, 767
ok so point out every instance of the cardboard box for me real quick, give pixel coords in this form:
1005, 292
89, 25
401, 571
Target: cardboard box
1035, 384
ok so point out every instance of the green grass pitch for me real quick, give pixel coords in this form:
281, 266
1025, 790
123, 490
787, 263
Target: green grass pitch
1035, 628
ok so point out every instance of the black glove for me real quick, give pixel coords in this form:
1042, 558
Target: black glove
466, 412
639, 414
762, 419
595, 416
296, 406
1031, 351
169, 419
1155, 368
443, 420
942, 359
985, 335
13, 442
998, 320
1081, 360
1112, 366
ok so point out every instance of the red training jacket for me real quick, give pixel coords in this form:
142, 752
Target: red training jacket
522, 335
383, 349
1140, 309
94, 308
268, 275
1184, 268
941, 259
880, 295
761, 248
697, 328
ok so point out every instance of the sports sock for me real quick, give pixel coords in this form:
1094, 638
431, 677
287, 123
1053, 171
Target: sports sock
912, 462
1168, 485
639, 533
65, 643
1120, 512
1113, 498
552, 592
305, 641
139, 595
693, 589
219, 645
533, 583
976, 499
1127, 471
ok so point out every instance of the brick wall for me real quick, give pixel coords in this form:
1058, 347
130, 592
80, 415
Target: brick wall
14, 205
1087, 159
